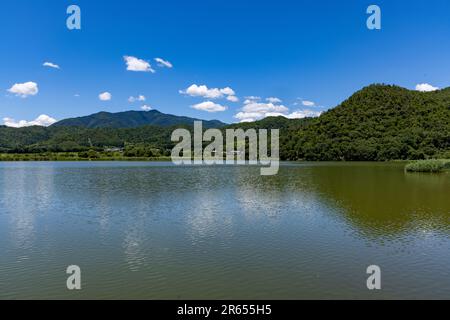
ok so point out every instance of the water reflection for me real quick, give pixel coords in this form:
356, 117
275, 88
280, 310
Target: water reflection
383, 200
153, 230
134, 244
26, 194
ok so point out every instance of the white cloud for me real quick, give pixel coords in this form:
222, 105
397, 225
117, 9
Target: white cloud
137, 65
138, 98
248, 120
163, 63
254, 110
146, 108
273, 100
205, 92
300, 114
51, 65
264, 107
251, 99
307, 103
228, 91
209, 106
233, 98
43, 121
24, 89
249, 116
105, 96
425, 87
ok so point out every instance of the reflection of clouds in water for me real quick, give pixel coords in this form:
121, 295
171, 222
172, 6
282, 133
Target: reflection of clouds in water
134, 242
26, 193
206, 217
134, 247
44, 178
257, 197
267, 199
105, 210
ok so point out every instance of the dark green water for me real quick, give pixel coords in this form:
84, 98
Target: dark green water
156, 231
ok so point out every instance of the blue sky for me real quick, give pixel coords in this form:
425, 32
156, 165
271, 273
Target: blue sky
316, 51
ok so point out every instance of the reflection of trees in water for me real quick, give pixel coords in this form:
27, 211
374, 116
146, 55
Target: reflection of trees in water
377, 199
381, 200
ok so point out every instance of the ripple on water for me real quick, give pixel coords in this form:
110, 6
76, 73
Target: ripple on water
145, 230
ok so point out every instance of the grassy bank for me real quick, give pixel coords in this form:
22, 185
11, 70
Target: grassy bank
433, 166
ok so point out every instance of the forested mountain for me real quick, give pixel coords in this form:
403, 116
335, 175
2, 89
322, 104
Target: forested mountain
377, 123
132, 119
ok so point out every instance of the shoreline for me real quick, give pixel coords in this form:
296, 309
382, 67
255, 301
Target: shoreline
72, 157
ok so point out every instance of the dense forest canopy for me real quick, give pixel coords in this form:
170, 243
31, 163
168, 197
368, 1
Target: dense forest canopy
377, 123
132, 119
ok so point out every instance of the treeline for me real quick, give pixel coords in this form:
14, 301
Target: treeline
377, 123
146, 141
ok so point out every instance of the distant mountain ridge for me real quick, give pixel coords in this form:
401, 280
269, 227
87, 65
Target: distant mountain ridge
377, 123
133, 119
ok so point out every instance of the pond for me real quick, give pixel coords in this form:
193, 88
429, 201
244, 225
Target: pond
158, 231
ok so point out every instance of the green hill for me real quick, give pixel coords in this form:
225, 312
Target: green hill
377, 123
132, 119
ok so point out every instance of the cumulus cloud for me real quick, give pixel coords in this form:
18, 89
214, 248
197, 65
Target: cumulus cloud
273, 100
307, 103
209, 106
51, 65
105, 96
300, 114
24, 89
137, 65
425, 87
146, 108
209, 93
228, 91
233, 99
264, 107
138, 98
43, 121
254, 110
251, 99
163, 63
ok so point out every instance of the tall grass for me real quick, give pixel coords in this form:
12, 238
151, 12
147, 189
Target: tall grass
432, 165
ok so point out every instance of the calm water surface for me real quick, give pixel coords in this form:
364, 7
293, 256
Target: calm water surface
156, 231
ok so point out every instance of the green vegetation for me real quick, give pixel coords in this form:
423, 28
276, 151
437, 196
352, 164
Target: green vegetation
90, 155
377, 123
78, 139
132, 119
431, 165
